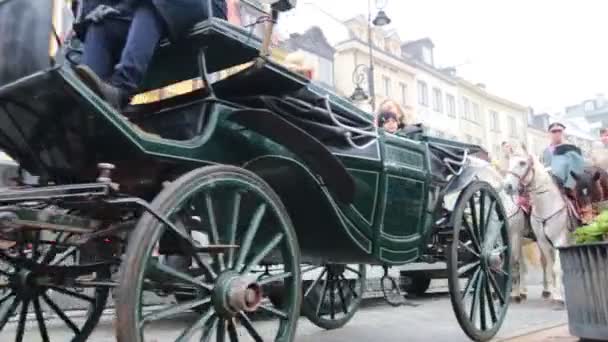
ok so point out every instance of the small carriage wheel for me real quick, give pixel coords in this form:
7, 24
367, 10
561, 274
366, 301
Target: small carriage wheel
27, 286
480, 253
334, 295
247, 228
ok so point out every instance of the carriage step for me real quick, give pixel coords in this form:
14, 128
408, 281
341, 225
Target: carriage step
83, 191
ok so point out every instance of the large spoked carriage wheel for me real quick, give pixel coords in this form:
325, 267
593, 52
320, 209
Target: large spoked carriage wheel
222, 293
335, 294
41, 274
480, 255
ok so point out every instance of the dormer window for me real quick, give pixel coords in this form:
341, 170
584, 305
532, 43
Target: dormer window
427, 55
589, 106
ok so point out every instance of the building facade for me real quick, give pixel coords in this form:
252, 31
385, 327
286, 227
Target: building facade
314, 46
393, 77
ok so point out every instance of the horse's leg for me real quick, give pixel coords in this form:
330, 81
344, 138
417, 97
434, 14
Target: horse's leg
523, 274
546, 259
516, 237
543, 261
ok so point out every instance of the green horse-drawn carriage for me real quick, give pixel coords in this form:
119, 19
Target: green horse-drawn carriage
246, 202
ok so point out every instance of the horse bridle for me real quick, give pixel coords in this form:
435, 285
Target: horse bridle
523, 187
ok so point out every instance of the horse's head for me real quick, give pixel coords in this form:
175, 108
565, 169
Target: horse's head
520, 174
588, 190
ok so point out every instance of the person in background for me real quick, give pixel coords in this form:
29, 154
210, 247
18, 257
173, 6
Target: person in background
388, 121
507, 151
556, 136
599, 153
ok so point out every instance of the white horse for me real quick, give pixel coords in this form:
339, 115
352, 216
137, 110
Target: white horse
518, 223
550, 217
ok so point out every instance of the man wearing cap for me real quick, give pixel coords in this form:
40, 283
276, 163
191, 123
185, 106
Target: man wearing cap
599, 153
556, 131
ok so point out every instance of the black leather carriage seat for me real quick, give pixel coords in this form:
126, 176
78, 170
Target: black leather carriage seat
225, 45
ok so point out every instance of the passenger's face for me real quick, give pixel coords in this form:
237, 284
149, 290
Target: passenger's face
391, 125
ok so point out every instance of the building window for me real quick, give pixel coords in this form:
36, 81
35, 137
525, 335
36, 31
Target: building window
512, 127
387, 86
437, 100
496, 150
423, 94
476, 113
451, 104
466, 108
427, 55
326, 71
403, 88
494, 123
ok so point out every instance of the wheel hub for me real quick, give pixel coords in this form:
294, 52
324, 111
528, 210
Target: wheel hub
493, 261
24, 283
234, 293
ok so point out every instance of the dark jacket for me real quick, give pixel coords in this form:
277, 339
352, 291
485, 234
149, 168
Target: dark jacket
178, 15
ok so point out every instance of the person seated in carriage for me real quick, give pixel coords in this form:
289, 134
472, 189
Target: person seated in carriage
120, 37
389, 122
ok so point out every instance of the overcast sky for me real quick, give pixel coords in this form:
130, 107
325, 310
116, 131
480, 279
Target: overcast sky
544, 53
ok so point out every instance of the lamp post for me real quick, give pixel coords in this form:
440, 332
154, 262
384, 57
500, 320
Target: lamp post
381, 20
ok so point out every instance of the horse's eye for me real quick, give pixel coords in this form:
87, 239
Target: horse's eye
522, 163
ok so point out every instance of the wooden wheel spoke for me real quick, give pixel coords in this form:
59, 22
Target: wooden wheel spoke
468, 248
481, 224
332, 299
61, 257
22, 318
471, 282
7, 313
208, 329
491, 307
323, 294
489, 214
274, 277
73, 294
220, 334
246, 322
342, 298
474, 220
40, 319
6, 297
234, 336
234, 222
51, 252
172, 310
264, 252
357, 272
468, 267
250, 234
474, 302
482, 304
198, 325
214, 232
309, 269
35, 245
314, 283
496, 287
500, 250
473, 235
61, 314
275, 312
172, 272
350, 286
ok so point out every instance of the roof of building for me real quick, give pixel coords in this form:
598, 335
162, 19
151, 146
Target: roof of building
312, 40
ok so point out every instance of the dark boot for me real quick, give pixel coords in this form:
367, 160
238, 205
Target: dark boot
116, 97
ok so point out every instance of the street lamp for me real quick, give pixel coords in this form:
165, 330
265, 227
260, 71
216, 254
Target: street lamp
381, 19
359, 75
